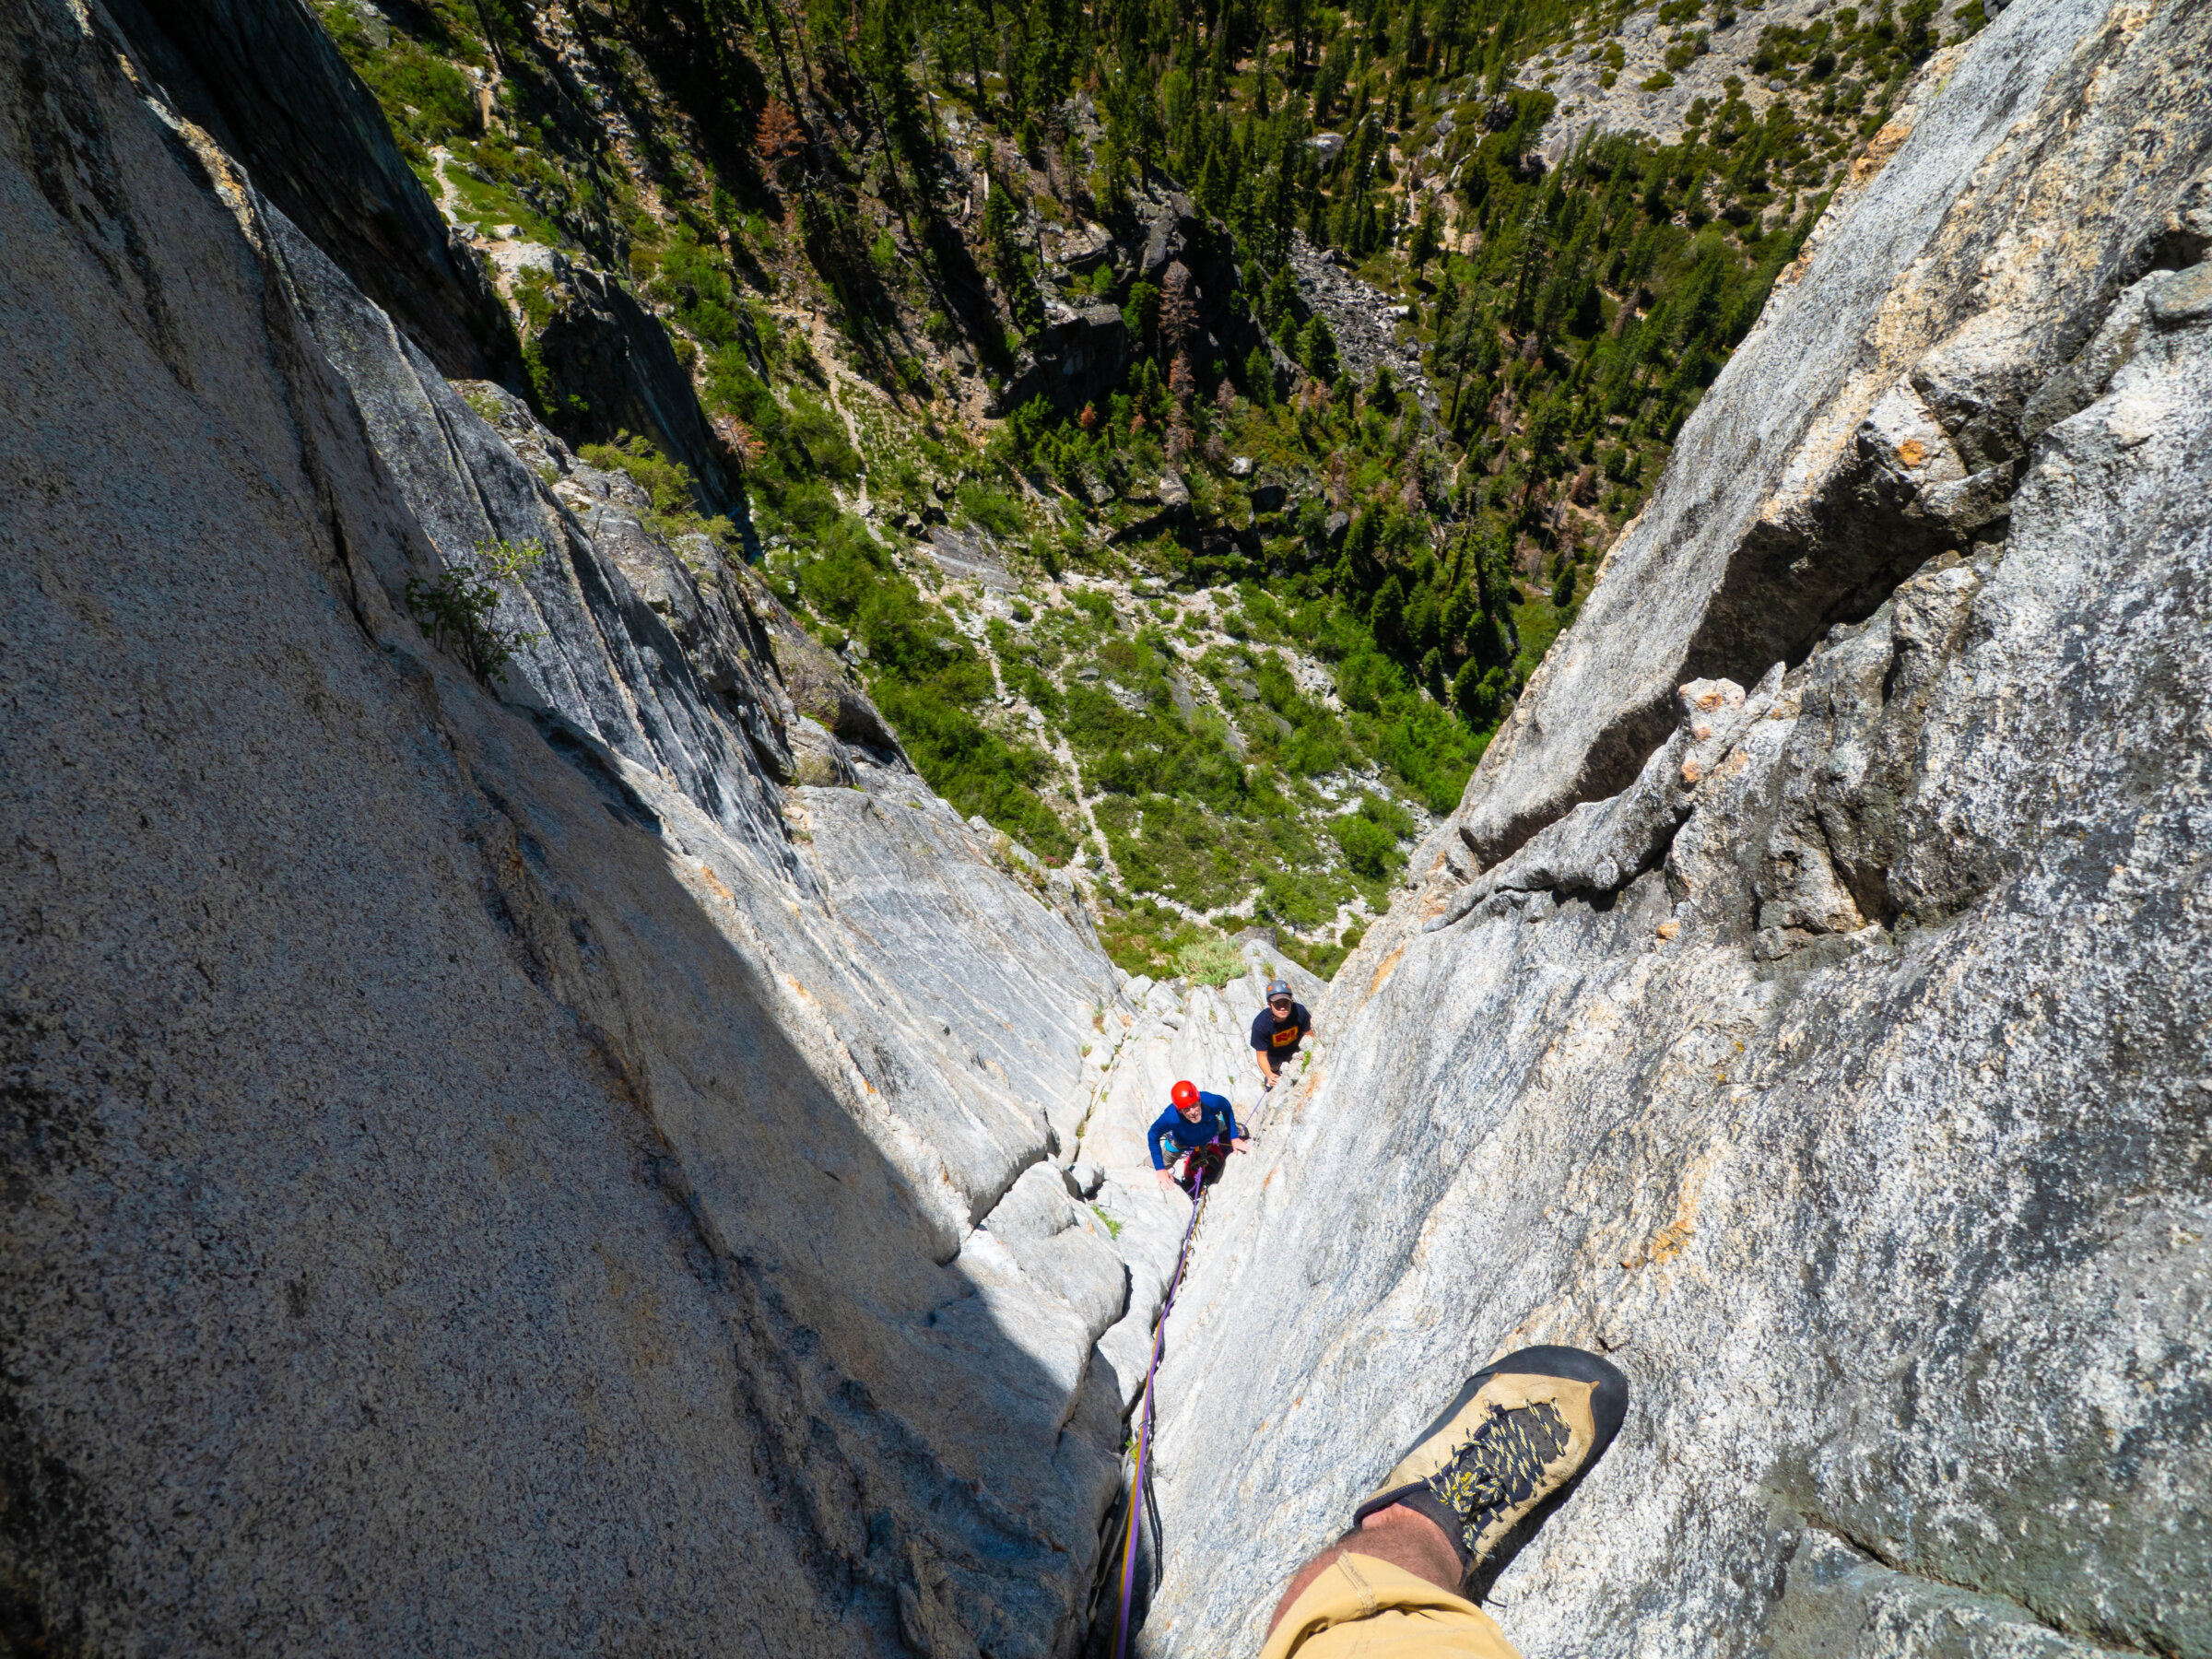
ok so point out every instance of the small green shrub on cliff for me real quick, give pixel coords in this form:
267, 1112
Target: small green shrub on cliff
455, 610
1211, 960
1369, 837
675, 500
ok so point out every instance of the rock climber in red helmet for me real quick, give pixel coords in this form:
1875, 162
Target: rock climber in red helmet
1200, 1128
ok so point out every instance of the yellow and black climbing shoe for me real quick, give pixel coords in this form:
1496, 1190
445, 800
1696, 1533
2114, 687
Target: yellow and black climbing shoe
1519, 1433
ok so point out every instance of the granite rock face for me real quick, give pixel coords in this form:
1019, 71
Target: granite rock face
481, 1169
594, 614
1806, 1007
1855, 434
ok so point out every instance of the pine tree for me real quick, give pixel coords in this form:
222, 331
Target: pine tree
1413, 44
1177, 313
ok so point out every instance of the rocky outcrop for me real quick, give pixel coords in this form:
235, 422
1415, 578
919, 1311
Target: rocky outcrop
612, 355
266, 81
1805, 1007
823, 690
1078, 355
593, 651
1852, 438
1363, 320
473, 1158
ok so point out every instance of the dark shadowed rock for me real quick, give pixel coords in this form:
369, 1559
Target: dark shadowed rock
613, 353
266, 80
1076, 357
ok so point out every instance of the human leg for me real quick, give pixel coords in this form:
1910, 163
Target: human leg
1404, 1537
1361, 1607
1517, 1435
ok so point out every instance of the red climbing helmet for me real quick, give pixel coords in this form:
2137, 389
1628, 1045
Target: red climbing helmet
1184, 1095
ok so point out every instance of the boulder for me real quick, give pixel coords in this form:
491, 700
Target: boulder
818, 759
1173, 227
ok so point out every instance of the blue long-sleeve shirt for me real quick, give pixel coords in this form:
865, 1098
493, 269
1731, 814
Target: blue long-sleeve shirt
1217, 1120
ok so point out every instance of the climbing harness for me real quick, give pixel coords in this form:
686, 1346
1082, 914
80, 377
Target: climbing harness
1137, 1479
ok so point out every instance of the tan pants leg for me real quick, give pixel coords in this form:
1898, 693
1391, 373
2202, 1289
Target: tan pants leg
1364, 1608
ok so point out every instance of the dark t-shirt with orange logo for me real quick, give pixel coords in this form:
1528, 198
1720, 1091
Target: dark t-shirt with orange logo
1280, 1037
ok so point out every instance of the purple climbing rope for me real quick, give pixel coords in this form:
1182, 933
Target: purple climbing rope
1144, 1427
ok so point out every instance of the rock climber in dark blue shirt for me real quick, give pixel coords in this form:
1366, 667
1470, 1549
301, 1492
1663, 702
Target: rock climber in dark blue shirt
1276, 1030
1203, 1125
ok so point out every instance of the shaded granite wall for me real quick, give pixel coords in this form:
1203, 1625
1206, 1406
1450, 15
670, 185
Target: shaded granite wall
484, 1170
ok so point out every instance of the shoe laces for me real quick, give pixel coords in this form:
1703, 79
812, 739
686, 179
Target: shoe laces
1499, 1465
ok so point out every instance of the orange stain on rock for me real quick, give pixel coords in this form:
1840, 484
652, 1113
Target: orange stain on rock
1389, 966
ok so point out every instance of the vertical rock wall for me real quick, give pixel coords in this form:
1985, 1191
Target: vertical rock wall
478, 1173
1806, 1005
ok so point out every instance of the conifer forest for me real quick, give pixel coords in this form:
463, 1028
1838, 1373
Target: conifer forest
1192, 421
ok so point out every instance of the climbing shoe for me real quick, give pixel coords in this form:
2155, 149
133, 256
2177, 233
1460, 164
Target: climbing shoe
1518, 1432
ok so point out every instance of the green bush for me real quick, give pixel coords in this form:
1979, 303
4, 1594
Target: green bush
427, 99
994, 510
667, 482
454, 610
828, 446
1210, 960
